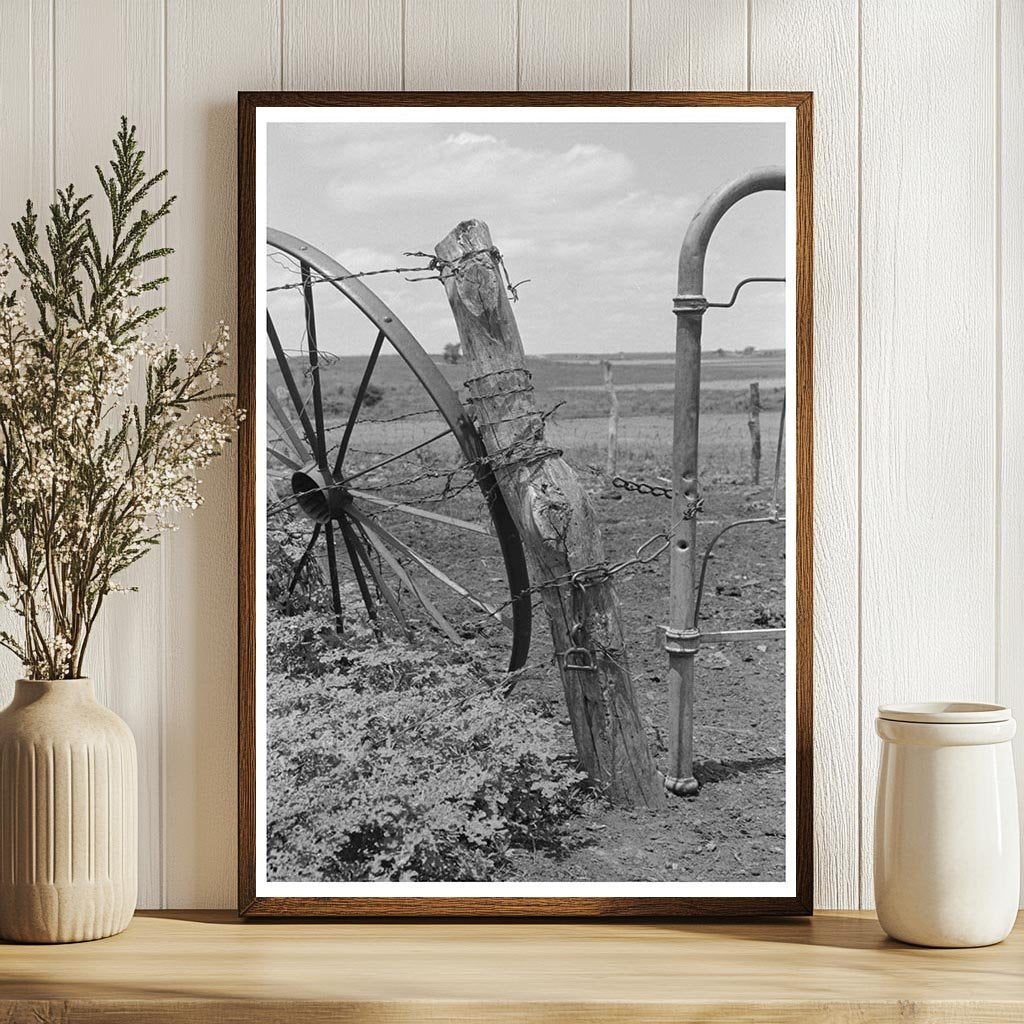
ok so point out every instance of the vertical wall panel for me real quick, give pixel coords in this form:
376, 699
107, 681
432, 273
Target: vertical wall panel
1010, 261
213, 50
125, 656
699, 44
574, 44
342, 44
468, 45
26, 107
26, 123
781, 59
928, 412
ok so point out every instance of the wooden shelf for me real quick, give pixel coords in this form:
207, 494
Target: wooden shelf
210, 967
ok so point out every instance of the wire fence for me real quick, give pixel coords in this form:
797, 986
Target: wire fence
425, 541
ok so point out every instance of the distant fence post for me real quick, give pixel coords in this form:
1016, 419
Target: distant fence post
754, 425
613, 417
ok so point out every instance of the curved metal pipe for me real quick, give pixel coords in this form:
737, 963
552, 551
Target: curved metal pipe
773, 520
695, 242
689, 306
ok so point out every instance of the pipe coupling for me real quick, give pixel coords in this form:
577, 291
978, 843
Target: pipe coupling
682, 641
689, 305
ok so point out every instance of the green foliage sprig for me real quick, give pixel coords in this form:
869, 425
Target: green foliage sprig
91, 469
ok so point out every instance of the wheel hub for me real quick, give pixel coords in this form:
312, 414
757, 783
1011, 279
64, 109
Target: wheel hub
319, 495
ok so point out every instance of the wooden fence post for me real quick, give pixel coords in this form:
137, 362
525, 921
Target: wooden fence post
754, 425
613, 417
556, 521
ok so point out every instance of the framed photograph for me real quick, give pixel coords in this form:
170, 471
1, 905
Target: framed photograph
525, 504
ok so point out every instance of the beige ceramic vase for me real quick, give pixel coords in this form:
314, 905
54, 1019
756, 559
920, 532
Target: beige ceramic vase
68, 815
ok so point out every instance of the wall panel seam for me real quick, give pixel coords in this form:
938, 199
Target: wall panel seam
53, 97
859, 866
519, 36
748, 43
31, 88
165, 670
629, 45
997, 324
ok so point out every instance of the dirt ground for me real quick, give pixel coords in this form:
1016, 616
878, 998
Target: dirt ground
735, 827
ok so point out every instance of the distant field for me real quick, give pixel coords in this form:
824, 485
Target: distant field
574, 384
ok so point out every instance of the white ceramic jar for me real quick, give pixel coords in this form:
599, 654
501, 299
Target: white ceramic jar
947, 848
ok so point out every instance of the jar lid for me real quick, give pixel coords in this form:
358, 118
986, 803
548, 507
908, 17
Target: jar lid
945, 713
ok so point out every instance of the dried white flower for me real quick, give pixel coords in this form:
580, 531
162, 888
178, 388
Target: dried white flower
103, 429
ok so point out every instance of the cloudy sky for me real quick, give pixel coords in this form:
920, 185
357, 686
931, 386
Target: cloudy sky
592, 214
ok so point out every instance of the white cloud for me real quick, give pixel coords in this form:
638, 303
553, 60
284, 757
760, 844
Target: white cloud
591, 225
469, 139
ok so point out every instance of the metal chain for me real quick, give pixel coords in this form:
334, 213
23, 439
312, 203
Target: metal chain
641, 487
600, 572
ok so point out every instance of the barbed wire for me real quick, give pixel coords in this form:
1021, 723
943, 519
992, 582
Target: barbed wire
434, 270
432, 411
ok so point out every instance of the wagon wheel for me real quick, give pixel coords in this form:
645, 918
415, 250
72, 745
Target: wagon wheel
391, 495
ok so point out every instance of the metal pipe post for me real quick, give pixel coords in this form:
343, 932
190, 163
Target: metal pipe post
682, 638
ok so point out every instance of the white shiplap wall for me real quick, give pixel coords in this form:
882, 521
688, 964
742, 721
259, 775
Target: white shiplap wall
919, 160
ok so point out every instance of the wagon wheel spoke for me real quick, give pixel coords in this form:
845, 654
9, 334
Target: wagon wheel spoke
290, 433
382, 588
332, 567
289, 383
422, 513
438, 574
284, 459
304, 559
357, 402
351, 544
371, 533
400, 455
320, 448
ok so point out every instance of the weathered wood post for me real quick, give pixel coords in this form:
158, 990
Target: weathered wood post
613, 417
754, 426
556, 521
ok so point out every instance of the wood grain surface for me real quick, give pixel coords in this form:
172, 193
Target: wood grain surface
200, 967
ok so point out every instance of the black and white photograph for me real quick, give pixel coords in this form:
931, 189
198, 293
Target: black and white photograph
525, 488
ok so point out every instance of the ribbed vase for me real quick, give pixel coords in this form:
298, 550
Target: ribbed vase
68, 815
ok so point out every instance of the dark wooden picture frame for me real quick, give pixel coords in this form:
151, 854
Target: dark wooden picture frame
568, 906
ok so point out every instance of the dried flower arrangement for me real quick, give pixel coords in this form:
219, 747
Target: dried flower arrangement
102, 429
